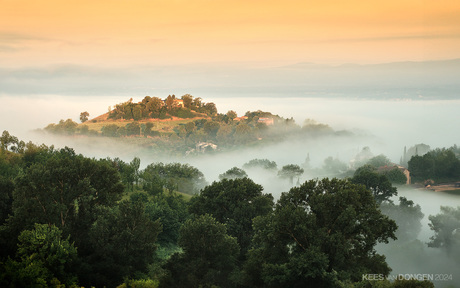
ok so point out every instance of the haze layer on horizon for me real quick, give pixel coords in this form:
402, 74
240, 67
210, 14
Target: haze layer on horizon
153, 32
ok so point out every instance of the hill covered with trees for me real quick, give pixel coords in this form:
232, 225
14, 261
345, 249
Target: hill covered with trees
187, 125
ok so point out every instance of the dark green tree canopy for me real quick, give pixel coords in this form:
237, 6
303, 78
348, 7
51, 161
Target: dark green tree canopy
123, 243
319, 233
377, 183
56, 190
234, 202
438, 165
209, 255
43, 258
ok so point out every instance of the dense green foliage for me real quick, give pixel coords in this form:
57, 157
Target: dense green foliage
42, 258
438, 165
319, 233
68, 220
378, 184
209, 255
234, 202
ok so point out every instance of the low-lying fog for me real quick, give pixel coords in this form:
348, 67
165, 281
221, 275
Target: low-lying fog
389, 124
415, 257
386, 126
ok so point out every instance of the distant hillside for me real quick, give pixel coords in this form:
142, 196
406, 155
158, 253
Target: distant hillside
186, 126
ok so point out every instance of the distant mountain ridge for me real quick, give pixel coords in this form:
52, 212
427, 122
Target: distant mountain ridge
429, 79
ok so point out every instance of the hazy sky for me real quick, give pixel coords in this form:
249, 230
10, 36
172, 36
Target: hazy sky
145, 32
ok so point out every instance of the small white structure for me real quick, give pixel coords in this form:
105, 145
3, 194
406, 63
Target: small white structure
201, 147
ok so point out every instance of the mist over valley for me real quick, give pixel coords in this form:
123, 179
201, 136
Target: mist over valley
326, 128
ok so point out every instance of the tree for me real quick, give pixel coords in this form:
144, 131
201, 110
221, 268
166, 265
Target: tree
172, 176
133, 129
396, 176
170, 102
6, 140
135, 164
63, 189
319, 233
129, 172
439, 165
334, 166
190, 127
109, 130
224, 134
6, 198
209, 255
172, 212
261, 163
210, 108
407, 216
231, 114
187, 100
290, 171
154, 107
234, 202
43, 257
379, 161
446, 227
123, 240
243, 132
377, 183
233, 173
211, 128
84, 116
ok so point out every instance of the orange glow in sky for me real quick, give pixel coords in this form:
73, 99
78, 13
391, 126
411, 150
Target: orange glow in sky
172, 32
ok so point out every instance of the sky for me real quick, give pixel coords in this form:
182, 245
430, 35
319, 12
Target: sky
59, 58
117, 33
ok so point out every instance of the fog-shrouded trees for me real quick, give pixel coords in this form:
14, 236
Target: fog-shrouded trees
234, 202
333, 166
319, 233
407, 216
379, 161
233, 173
290, 171
377, 183
262, 164
172, 176
446, 228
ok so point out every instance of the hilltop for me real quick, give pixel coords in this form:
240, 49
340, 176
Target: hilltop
186, 125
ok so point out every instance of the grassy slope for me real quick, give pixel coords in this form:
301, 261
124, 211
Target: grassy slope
164, 126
